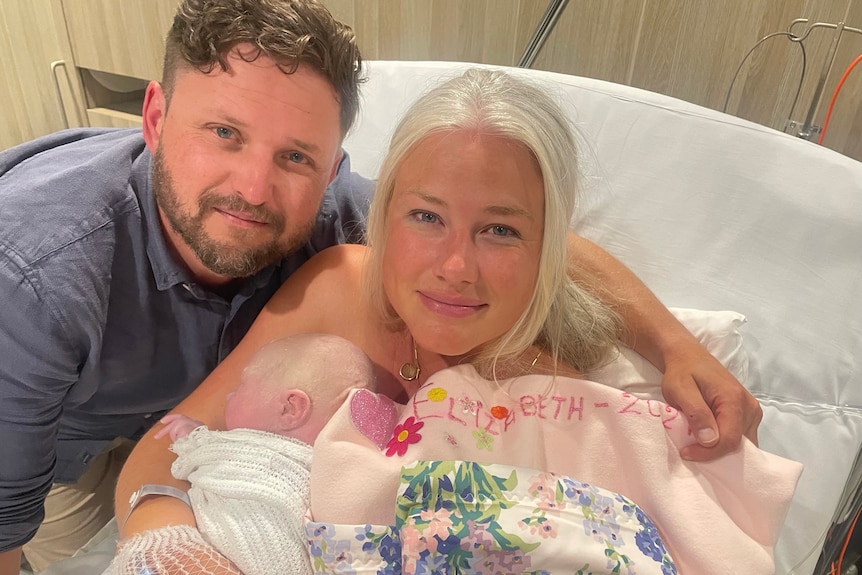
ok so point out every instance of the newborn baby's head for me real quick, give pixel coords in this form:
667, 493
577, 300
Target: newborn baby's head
292, 386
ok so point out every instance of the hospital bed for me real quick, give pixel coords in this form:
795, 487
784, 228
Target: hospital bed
715, 213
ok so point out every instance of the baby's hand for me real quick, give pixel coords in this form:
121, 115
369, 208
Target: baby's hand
177, 425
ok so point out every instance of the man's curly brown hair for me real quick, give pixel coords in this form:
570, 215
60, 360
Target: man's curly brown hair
291, 32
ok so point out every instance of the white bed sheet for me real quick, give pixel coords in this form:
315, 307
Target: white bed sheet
714, 212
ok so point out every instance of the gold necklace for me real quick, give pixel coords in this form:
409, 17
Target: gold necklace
535, 359
411, 370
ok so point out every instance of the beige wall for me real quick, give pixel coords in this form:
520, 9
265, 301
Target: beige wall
688, 49
31, 38
125, 37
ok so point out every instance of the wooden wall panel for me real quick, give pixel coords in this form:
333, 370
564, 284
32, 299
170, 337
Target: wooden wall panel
688, 49
769, 78
414, 27
120, 36
464, 30
658, 47
594, 38
691, 50
714, 38
388, 15
15, 119
343, 11
500, 29
456, 30
32, 35
373, 18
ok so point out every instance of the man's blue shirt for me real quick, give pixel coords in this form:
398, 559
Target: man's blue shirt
101, 329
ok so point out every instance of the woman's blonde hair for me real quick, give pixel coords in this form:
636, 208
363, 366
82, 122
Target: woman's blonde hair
562, 317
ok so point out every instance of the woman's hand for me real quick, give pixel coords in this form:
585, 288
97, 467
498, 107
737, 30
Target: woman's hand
719, 410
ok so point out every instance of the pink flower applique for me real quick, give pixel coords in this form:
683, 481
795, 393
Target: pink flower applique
468, 405
403, 435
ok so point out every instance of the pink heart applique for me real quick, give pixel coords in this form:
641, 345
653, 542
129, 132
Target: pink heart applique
374, 416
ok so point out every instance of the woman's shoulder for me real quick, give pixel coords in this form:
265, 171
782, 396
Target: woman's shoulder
324, 289
340, 256
332, 267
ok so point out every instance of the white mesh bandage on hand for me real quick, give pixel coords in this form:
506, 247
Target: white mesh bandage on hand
173, 550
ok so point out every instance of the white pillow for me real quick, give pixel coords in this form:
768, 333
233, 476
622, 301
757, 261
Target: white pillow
718, 331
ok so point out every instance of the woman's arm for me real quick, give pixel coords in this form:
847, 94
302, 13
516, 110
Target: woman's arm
719, 409
312, 300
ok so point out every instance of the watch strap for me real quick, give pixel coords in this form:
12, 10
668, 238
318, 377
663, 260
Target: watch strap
149, 489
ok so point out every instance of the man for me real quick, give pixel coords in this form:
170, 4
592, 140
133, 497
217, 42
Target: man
132, 262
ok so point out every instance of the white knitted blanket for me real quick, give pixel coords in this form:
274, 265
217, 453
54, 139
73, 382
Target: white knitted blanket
249, 494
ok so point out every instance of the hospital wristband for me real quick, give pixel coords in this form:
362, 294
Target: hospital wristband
154, 489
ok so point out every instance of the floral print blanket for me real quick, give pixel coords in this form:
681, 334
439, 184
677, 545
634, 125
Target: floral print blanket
462, 517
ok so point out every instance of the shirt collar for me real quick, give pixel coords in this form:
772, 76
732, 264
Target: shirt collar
167, 272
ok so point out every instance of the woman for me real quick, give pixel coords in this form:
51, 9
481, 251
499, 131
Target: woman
467, 254
466, 267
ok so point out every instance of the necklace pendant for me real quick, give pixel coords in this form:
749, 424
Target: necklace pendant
409, 371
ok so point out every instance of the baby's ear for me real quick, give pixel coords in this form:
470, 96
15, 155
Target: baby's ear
295, 406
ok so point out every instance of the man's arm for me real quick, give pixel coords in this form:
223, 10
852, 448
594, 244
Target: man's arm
37, 367
719, 409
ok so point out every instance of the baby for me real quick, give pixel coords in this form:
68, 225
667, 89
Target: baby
250, 484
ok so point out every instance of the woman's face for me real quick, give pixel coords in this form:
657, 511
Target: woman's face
464, 238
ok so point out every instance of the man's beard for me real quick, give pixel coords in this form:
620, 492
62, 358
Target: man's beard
228, 259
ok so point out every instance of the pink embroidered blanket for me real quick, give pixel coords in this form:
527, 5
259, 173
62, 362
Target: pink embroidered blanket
717, 517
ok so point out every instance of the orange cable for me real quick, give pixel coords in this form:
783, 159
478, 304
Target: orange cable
835, 97
852, 525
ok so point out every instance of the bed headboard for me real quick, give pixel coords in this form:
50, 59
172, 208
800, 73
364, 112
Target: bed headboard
716, 213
